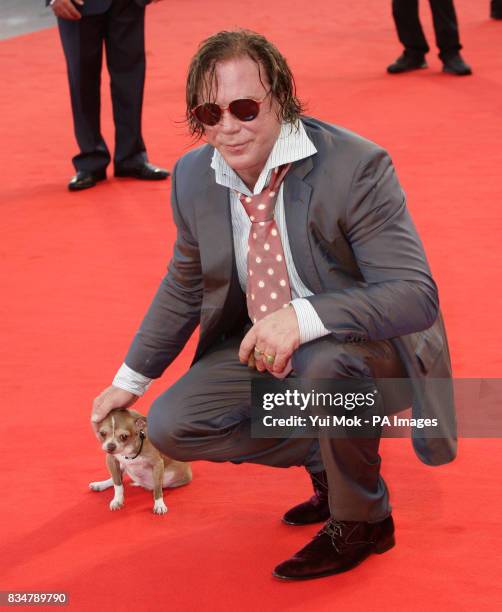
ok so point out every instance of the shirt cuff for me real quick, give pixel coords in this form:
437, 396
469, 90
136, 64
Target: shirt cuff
309, 322
134, 382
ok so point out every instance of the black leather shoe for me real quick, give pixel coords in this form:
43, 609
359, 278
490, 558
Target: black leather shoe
454, 64
316, 509
144, 172
84, 180
338, 547
407, 62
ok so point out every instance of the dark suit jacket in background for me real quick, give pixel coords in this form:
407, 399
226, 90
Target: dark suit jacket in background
354, 246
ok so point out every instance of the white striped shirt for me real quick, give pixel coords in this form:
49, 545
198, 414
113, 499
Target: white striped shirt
291, 145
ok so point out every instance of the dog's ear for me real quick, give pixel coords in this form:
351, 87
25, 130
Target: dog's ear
97, 427
139, 419
140, 423
134, 413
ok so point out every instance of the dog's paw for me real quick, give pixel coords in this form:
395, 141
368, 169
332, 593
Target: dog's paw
101, 485
116, 504
159, 507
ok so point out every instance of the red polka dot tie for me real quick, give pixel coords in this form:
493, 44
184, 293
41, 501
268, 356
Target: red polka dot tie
267, 283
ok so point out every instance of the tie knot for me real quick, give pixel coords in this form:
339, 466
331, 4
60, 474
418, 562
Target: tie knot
260, 207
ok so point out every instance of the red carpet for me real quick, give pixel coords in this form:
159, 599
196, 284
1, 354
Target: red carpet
78, 271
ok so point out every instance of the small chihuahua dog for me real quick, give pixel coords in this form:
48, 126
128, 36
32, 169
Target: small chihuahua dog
123, 438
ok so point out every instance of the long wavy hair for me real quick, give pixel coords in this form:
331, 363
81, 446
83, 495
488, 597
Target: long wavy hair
227, 45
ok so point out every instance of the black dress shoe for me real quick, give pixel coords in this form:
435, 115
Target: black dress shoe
144, 171
407, 62
314, 510
84, 179
454, 64
338, 547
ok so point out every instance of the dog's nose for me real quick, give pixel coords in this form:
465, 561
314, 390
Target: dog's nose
111, 447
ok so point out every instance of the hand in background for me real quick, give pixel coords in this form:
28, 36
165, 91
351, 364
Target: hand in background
66, 9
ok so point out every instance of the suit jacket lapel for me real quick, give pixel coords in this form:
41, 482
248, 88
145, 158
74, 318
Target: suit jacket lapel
216, 243
297, 196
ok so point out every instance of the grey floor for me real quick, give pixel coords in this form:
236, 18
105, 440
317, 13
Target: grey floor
21, 16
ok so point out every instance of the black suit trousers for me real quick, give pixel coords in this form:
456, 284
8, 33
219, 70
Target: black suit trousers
410, 31
120, 30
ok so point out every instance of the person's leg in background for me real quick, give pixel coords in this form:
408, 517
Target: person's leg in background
411, 35
496, 9
125, 58
82, 42
447, 37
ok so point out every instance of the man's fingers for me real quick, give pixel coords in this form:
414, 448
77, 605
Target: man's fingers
112, 397
280, 361
260, 366
247, 346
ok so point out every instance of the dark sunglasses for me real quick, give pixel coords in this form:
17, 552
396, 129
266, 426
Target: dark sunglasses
244, 109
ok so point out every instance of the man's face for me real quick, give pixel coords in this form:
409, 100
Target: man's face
245, 145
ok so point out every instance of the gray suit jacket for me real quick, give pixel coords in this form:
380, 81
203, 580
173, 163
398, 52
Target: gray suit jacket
354, 246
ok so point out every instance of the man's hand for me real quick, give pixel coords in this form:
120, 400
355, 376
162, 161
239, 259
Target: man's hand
66, 9
110, 398
276, 335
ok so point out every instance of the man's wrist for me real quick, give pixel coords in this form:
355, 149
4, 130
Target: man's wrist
309, 322
129, 380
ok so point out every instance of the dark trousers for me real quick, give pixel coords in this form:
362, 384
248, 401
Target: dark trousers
410, 31
121, 30
206, 415
496, 8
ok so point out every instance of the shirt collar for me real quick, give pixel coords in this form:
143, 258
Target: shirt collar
291, 145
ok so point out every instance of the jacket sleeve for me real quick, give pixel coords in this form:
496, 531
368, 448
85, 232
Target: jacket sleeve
398, 295
175, 310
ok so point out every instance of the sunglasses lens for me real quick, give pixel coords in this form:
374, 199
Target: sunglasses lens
208, 113
245, 110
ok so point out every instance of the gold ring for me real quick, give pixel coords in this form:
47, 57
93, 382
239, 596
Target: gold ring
270, 359
257, 352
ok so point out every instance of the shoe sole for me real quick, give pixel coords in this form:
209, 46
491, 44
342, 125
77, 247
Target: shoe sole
96, 180
379, 549
143, 178
446, 71
422, 67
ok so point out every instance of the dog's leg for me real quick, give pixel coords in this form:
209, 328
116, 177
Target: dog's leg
101, 485
114, 467
159, 507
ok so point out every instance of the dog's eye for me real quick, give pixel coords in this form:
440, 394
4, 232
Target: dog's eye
124, 437
102, 434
